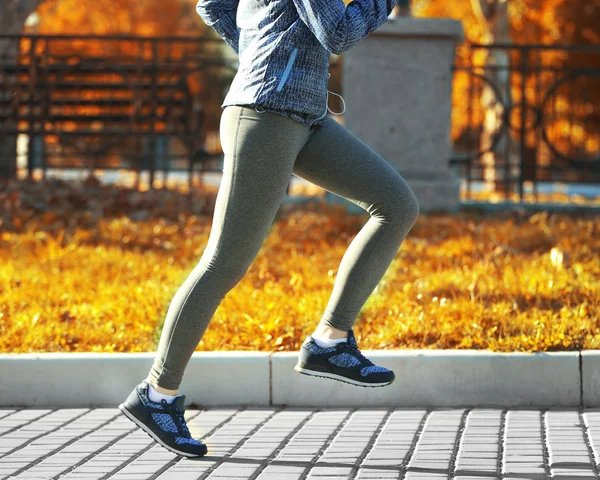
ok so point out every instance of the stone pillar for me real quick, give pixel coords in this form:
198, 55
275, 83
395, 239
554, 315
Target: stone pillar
396, 84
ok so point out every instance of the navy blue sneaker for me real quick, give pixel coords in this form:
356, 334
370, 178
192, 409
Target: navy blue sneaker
342, 362
163, 421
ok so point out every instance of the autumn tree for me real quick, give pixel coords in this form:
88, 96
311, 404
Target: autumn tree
13, 14
514, 22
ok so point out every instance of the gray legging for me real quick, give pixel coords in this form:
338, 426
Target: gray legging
261, 151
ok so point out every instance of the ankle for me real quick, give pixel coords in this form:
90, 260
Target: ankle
329, 333
161, 390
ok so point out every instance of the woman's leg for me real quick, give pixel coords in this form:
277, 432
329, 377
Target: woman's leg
338, 161
259, 153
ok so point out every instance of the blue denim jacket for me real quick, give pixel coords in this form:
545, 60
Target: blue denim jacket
284, 48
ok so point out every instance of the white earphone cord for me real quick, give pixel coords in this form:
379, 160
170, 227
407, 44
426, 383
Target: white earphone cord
343, 103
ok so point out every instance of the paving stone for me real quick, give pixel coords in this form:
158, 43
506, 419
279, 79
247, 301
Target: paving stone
281, 472
447, 422
115, 456
329, 473
487, 464
478, 449
296, 443
35, 428
425, 476
270, 436
355, 437
567, 446
230, 470
572, 474
374, 473
475, 477
4, 412
72, 426
187, 469
535, 472
21, 417
148, 464
316, 432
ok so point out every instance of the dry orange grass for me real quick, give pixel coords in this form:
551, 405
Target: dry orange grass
506, 282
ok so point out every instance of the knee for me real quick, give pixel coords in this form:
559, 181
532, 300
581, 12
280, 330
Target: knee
228, 275
401, 208
410, 207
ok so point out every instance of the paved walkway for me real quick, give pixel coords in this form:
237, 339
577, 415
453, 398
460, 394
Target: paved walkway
277, 443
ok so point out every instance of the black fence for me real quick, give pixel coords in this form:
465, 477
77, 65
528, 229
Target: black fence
110, 102
114, 102
521, 114
526, 114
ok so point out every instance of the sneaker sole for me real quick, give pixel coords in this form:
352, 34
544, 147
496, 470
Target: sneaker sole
145, 428
314, 373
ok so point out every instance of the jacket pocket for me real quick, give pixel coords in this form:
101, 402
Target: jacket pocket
287, 70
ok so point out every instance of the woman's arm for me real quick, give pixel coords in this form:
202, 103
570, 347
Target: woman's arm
220, 15
339, 27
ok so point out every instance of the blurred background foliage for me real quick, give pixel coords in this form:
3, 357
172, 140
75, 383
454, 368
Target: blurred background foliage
544, 22
528, 21
96, 271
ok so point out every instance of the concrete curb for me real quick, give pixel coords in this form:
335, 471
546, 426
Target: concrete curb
105, 379
424, 378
